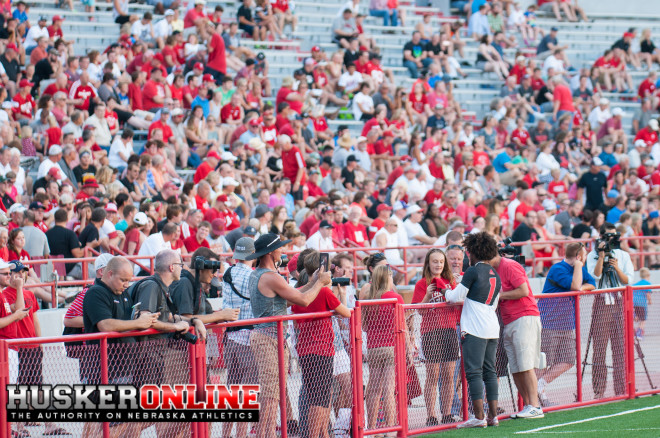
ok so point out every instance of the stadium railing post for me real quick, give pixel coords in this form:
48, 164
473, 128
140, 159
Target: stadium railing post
85, 268
358, 381
204, 428
195, 380
629, 333
578, 348
282, 376
103, 345
400, 366
5, 426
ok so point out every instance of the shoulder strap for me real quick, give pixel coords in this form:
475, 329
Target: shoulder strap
227, 279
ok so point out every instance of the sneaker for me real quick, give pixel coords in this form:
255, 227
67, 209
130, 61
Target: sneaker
448, 419
473, 422
431, 421
530, 411
493, 422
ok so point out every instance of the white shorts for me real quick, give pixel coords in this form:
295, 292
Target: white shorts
522, 342
342, 363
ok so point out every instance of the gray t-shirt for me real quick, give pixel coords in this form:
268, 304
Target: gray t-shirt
564, 219
343, 25
36, 242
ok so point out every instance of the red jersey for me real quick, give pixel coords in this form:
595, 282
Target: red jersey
481, 158
202, 171
320, 124
432, 196
217, 58
192, 244
521, 134
8, 332
647, 134
24, 327
646, 88
270, 134
230, 112
41, 225
201, 203
522, 209
25, 105
135, 97
167, 131
557, 187
417, 103
316, 336
356, 233
433, 319
85, 92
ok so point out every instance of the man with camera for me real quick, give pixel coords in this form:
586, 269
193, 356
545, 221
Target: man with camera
189, 293
611, 267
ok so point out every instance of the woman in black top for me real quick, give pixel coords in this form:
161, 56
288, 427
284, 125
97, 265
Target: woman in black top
648, 52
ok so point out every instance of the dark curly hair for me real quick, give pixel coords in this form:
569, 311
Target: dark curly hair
481, 246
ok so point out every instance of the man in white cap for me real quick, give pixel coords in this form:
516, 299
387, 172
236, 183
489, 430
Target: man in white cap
74, 314
416, 234
54, 155
648, 134
612, 130
163, 28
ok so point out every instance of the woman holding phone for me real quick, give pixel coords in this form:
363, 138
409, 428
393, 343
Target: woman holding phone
439, 335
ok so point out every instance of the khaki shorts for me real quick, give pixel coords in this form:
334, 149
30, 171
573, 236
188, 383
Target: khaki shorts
522, 343
264, 350
558, 346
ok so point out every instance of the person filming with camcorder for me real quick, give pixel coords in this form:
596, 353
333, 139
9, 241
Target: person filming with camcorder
611, 267
190, 292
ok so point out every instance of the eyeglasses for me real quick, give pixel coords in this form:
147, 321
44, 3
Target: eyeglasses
458, 247
178, 264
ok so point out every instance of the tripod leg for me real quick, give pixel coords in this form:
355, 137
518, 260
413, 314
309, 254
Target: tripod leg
640, 354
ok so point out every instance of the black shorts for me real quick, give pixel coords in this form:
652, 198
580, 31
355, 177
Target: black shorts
122, 19
641, 313
440, 345
317, 378
298, 194
30, 366
247, 28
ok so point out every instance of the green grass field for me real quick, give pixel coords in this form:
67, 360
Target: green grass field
639, 423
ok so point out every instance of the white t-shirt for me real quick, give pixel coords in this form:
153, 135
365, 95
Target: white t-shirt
317, 242
151, 246
162, 29
141, 30
45, 166
34, 34
414, 229
350, 82
363, 99
116, 148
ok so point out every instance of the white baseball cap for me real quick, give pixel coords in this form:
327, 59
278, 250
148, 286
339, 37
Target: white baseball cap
102, 261
140, 218
413, 209
229, 181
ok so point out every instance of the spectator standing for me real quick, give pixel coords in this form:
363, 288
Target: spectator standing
64, 242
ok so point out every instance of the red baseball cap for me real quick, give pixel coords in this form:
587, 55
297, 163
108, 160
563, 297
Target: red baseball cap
254, 122
25, 83
316, 49
208, 78
388, 134
57, 18
55, 173
222, 198
198, 66
213, 154
382, 207
12, 46
406, 158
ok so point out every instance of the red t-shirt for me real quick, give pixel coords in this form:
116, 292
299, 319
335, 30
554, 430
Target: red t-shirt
24, 327
481, 158
230, 112
446, 212
85, 92
356, 233
381, 148
417, 104
135, 96
647, 87
436, 171
522, 209
320, 124
152, 89
192, 244
54, 135
557, 187
54, 33
432, 319
132, 236
512, 275
201, 172
307, 224
217, 59
8, 332
292, 161
282, 94
52, 89
379, 326
191, 16
270, 134
432, 196
563, 95
315, 336
521, 134
201, 203
167, 131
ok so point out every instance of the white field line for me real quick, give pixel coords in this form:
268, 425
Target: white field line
586, 420
595, 430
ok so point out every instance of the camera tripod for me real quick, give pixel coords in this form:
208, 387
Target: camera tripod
609, 279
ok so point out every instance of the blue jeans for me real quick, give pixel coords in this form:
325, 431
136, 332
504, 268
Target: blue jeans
385, 13
412, 67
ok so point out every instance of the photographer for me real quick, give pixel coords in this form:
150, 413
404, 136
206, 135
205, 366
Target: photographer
190, 291
611, 267
479, 292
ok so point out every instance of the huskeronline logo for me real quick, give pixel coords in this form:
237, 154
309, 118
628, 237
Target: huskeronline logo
126, 403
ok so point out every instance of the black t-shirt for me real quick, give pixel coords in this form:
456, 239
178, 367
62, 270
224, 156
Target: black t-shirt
39, 184
539, 136
349, 176
61, 241
7, 201
351, 57
647, 46
79, 172
150, 294
415, 49
522, 234
42, 70
186, 298
11, 67
129, 185
436, 122
245, 13
579, 230
540, 95
621, 44
654, 231
436, 49
594, 183
89, 234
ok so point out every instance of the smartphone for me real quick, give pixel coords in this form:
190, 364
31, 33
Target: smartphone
27, 309
325, 260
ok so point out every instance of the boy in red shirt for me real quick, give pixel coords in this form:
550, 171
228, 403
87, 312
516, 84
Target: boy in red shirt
24, 100
198, 240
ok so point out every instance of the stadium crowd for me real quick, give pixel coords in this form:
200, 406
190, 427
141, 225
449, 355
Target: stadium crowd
173, 138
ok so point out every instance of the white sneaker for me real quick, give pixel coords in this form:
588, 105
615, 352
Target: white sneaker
530, 411
473, 422
492, 422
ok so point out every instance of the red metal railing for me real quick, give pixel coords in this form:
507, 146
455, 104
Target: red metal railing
406, 416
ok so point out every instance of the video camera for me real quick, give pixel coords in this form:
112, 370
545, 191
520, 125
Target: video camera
611, 240
200, 263
506, 250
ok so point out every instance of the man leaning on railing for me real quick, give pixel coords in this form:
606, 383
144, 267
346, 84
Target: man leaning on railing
558, 315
